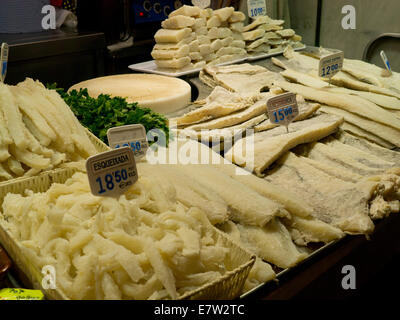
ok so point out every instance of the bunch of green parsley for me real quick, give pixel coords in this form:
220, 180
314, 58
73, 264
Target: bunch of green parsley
104, 112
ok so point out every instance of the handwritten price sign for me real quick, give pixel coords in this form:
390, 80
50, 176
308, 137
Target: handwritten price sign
133, 135
330, 65
111, 173
256, 8
282, 109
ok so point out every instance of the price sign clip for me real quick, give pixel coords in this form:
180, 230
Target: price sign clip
282, 109
111, 173
256, 8
3, 61
132, 135
388, 71
330, 65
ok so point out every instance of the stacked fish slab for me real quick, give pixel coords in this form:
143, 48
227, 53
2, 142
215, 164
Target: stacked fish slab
265, 35
192, 38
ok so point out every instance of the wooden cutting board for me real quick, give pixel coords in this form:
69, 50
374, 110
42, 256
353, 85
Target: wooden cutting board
159, 93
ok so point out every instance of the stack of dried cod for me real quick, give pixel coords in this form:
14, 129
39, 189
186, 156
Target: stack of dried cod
265, 35
192, 37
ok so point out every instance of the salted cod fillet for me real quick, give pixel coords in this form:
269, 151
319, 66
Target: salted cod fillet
307, 64
221, 134
220, 102
247, 85
390, 103
383, 153
346, 102
361, 133
270, 145
261, 271
291, 72
385, 132
303, 227
336, 202
256, 109
386, 174
314, 230
273, 243
371, 73
189, 191
246, 205
358, 162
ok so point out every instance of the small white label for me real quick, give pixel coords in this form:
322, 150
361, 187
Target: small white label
201, 3
111, 173
3, 61
282, 109
256, 8
132, 135
330, 64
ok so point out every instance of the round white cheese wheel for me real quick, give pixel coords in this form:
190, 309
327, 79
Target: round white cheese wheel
159, 93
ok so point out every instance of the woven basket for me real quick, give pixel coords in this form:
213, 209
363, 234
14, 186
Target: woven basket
99, 145
228, 286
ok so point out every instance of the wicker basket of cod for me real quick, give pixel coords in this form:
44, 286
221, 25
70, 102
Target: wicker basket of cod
143, 245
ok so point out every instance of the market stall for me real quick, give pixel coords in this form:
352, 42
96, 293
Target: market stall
256, 168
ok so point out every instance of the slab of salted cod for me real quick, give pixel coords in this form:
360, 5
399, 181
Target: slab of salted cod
219, 103
293, 71
273, 243
270, 145
346, 102
362, 144
221, 134
254, 110
339, 203
307, 230
385, 132
371, 73
390, 103
361, 133
308, 65
358, 162
189, 191
246, 205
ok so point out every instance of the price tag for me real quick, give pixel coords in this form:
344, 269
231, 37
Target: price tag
330, 64
256, 8
282, 109
3, 61
132, 135
111, 173
201, 3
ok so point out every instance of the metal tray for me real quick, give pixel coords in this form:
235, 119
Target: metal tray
151, 67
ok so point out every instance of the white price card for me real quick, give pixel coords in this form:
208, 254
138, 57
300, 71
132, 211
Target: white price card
111, 173
282, 109
3, 61
132, 135
330, 64
256, 8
